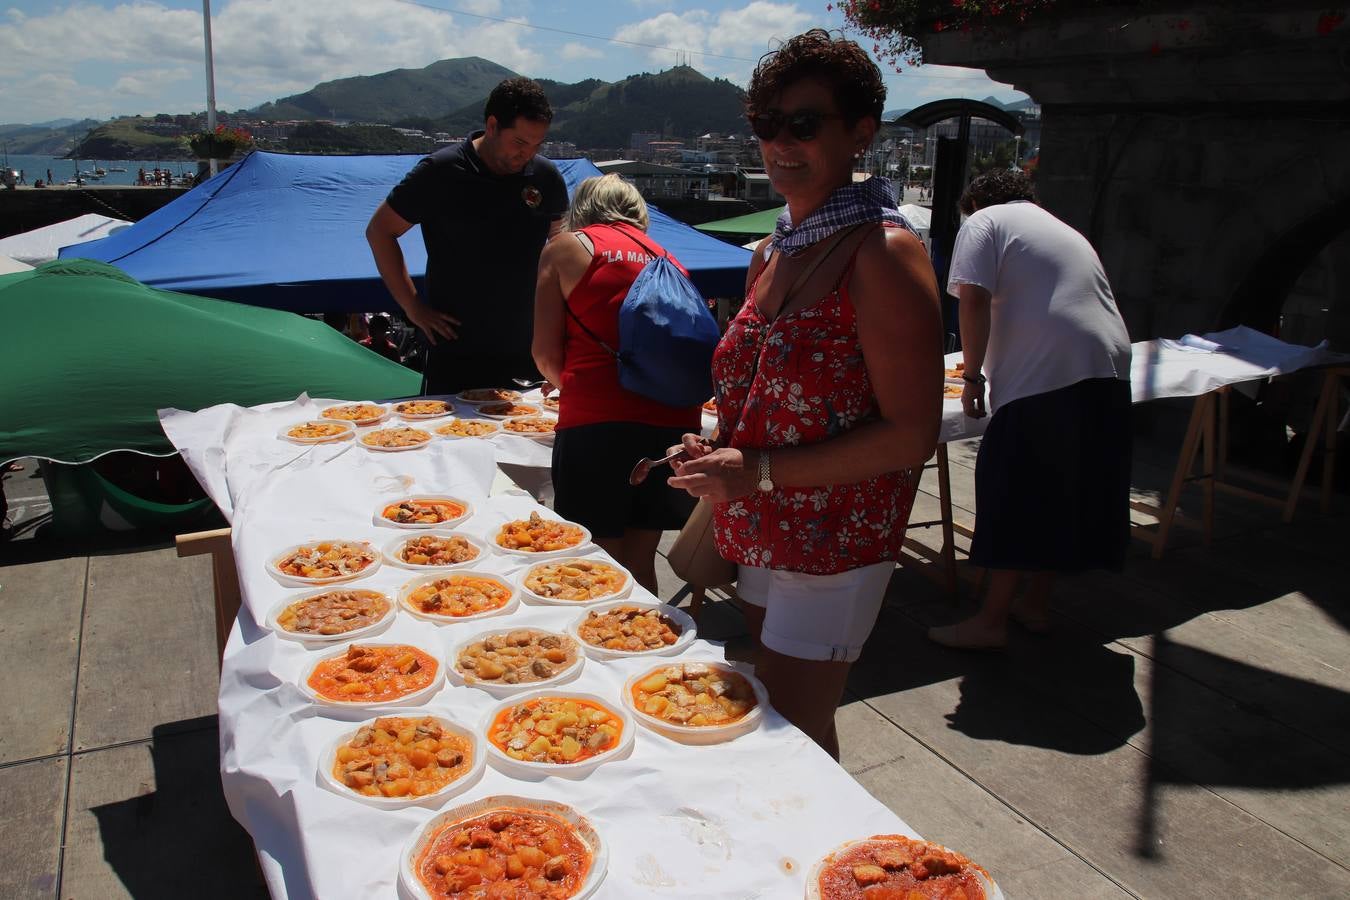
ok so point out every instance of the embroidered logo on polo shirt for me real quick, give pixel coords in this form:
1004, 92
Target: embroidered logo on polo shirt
532, 196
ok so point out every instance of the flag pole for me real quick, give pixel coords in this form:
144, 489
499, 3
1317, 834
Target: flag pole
210, 77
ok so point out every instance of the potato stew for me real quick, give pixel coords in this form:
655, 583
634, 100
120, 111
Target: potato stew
423, 511
334, 612
327, 559
555, 730
505, 853
516, 657
436, 550
402, 757
373, 674
631, 629
539, 535
892, 865
576, 579
694, 694
457, 596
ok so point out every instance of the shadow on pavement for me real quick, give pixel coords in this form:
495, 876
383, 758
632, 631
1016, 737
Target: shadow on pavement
180, 840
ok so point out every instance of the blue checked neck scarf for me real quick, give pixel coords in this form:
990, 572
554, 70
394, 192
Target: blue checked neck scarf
872, 200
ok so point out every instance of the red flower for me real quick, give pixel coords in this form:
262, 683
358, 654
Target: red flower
1329, 22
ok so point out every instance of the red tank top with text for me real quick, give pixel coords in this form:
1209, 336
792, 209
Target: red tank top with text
591, 391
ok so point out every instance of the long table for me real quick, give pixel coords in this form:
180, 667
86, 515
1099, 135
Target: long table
735, 820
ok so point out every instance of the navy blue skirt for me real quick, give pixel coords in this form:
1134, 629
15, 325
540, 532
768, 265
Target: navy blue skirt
1052, 481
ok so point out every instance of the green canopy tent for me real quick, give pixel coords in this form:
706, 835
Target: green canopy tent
751, 225
89, 355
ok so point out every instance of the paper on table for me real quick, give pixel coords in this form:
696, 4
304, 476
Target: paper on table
735, 820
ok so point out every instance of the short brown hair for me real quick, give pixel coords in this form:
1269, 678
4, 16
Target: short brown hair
840, 64
516, 97
993, 188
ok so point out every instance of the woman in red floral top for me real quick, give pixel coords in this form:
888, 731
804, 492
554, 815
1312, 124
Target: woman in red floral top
829, 385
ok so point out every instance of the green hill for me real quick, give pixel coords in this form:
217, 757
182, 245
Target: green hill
680, 101
123, 138
393, 96
46, 138
593, 113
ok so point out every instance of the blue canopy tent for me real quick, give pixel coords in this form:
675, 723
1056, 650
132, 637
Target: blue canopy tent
288, 232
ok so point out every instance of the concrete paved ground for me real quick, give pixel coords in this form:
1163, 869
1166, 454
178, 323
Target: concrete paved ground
1183, 732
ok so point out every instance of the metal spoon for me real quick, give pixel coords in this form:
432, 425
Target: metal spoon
527, 383
644, 466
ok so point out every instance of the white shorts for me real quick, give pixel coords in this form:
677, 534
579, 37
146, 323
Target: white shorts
818, 617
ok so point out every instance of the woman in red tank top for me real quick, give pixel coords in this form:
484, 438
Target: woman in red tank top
828, 385
603, 429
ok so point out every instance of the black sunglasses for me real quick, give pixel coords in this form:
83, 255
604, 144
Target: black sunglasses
803, 125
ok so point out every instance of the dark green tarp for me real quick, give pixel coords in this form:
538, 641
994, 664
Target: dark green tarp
88, 354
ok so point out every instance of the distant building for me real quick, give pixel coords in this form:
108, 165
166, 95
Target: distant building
753, 185
559, 150
655, 181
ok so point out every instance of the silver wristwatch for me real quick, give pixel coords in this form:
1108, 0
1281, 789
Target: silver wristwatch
765, 478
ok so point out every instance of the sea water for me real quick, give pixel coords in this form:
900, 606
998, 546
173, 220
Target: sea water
35, 167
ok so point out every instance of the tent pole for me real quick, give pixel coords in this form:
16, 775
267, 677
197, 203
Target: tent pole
210, 76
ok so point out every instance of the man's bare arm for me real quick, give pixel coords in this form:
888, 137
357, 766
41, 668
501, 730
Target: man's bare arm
382, 233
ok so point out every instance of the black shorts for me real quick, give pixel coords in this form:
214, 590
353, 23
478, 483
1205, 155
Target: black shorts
1052, 481
591, 464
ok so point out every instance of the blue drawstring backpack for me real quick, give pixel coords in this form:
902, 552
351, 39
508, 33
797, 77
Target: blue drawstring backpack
666, 336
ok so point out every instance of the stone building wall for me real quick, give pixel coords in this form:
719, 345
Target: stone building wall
1205, 150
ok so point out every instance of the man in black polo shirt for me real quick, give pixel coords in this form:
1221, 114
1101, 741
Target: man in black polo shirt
486, 207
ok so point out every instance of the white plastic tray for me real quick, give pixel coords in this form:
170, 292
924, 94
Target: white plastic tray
422, 417
496, 429
392, 548
700, 734
413, 699
576, 604
359, 423
515, 396
360, 439
458, 786
991, 890
535, 770
577, 550
501, 689
415, 526
689, 630
507, 608
375, 627
412, 885
348, 429
297, 581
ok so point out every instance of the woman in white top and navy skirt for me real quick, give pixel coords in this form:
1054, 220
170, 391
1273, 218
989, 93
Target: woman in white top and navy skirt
1040, 330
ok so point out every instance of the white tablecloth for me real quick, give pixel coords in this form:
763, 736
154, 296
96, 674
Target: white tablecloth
738, 820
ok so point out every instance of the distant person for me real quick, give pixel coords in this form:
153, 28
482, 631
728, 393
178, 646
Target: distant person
486, 207
140, 175
379, 339
49, 176
23, 179
1052, 479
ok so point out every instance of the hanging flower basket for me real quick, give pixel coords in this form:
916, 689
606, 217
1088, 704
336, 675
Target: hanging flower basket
223, 143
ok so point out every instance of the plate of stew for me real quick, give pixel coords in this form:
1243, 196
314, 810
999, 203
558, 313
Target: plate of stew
373, 674
541, 847
895, 865
413, 758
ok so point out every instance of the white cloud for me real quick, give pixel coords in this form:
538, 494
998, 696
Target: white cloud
573, 50
263, 48
148, 82
746, 32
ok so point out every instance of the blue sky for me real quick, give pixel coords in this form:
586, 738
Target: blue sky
99, 58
